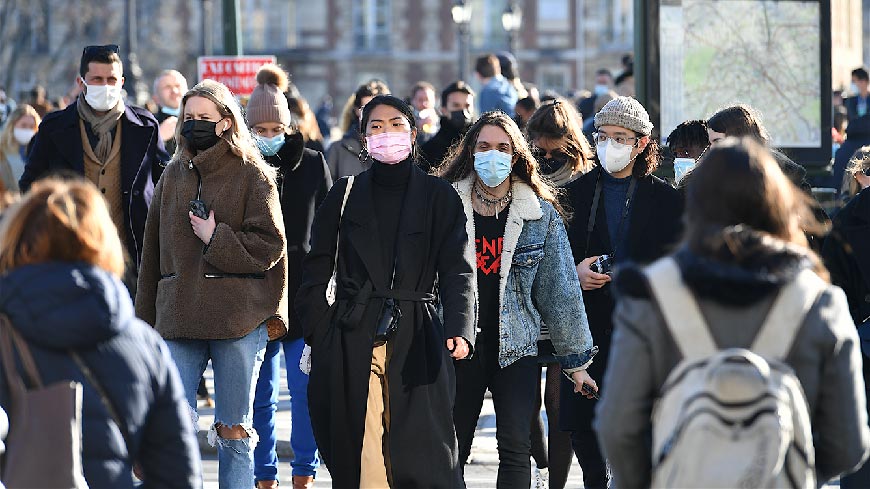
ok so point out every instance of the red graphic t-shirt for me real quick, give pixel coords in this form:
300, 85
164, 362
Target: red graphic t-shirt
488, 243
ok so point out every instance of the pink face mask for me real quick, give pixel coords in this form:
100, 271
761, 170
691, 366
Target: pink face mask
389, 147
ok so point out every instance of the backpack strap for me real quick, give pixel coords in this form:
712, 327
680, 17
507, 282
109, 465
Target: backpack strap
791, 306
681, 312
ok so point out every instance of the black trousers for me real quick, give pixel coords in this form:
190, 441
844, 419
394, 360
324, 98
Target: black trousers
584, 440
513, 395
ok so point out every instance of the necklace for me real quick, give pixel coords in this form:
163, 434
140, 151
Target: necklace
500, 202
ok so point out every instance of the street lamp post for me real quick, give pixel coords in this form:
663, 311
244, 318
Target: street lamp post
207, 28
461, 13
511, 20
133, 72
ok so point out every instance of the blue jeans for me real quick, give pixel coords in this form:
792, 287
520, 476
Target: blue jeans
236, 364
305, 457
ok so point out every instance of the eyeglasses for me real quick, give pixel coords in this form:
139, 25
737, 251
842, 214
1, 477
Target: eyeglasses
601, 138
105, 49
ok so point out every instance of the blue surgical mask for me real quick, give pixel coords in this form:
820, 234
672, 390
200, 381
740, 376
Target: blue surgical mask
492, 166
270, 146
170, 111
601, 89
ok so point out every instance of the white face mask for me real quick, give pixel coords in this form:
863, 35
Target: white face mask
614, 157
102, 97
22, 136
681, 167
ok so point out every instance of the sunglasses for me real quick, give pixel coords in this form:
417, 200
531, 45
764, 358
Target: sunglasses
94, 50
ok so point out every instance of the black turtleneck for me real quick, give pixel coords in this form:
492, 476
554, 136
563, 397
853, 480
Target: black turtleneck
389, 184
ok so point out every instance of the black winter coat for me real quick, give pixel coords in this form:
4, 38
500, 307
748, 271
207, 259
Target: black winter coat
654, 228
421, 445
303, 182
61, 306
58, 146
846, 254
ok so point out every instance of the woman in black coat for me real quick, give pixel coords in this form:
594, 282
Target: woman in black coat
382, 412
643, 213
846, 256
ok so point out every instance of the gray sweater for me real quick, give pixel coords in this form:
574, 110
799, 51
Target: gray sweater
825, 356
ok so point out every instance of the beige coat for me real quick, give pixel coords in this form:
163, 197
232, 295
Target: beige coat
228, 288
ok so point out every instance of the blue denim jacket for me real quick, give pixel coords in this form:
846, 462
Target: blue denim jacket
538, 281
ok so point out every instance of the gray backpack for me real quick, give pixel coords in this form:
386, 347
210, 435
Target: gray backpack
734, 417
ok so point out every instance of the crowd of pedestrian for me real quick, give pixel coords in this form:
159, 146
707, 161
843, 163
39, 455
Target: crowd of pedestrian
449, 243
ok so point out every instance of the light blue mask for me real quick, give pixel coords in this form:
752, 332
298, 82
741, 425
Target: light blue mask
270, 146
171, 111
492, 166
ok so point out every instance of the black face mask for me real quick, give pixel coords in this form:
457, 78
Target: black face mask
461, 119
200, 133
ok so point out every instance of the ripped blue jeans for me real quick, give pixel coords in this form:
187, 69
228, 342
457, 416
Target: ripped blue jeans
236, 364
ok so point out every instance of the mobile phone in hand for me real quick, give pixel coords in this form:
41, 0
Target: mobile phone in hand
584, 388
197, 207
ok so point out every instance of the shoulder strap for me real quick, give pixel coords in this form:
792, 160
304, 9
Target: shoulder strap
791, 306
593, 213
681, 312
10, 342
104, 398
340, 216
346, 195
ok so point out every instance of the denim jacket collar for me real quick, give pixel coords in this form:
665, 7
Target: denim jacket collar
524, 206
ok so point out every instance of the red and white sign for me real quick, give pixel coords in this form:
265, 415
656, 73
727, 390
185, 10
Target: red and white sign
238, 73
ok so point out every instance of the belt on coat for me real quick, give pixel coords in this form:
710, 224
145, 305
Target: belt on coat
360, 299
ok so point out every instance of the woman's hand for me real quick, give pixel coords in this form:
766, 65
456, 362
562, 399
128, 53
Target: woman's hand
203, 228
458, 347
581, 377
590, 280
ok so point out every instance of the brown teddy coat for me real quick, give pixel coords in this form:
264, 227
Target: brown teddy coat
224, 290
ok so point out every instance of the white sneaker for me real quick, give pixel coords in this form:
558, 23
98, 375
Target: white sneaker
541, 479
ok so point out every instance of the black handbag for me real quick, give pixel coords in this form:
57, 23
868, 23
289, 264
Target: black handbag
388, 323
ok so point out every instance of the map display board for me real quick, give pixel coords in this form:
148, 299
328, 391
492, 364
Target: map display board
765, 53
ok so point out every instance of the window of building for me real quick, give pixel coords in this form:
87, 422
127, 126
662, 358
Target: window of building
487, 32
554, 24
371, 25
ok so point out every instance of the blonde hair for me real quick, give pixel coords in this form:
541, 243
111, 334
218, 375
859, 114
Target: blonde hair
8, 144
238, 136
58, 220
859, 161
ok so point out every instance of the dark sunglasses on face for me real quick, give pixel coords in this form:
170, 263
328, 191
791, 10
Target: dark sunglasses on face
92, 50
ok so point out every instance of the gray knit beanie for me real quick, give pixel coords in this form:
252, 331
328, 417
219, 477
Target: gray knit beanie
267, 102
624, 112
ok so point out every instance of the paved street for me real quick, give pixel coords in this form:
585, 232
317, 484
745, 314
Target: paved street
481, 473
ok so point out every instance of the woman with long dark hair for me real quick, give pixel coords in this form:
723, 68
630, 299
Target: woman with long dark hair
382, 385
744, 248
525, 278
563, 155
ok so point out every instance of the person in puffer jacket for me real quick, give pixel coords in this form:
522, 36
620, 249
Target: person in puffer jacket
60, 266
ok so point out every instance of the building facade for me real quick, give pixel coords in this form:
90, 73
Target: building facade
332, 46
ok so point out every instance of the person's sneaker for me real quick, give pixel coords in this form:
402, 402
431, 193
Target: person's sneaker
541, 479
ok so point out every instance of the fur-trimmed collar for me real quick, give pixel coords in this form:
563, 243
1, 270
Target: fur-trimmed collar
525, 206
